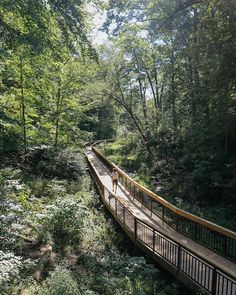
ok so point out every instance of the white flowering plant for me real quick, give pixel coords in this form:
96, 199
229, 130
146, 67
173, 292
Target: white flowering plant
13, 269
62, 222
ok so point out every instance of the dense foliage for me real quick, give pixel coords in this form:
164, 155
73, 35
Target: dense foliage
166, 80
63, 221
46, 65
171, 71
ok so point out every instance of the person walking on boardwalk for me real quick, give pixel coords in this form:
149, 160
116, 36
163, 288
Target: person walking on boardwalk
114, 178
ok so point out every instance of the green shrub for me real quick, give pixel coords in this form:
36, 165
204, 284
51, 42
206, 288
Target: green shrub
60, 163
114, 274
13, 269
60, 282
10, 138
62, 221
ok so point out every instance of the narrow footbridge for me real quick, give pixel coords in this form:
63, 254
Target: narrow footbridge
198, 253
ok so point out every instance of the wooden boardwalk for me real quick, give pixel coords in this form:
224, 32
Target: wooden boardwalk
194, 264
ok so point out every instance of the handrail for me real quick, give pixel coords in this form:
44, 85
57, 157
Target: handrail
166, 236
98, 141
180, 220
205, 274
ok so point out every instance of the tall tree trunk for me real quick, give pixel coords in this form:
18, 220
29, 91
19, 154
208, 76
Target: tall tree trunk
225, 118
154, 89
226, 137
144, 136
23, 117
58, 113
196, 82
129, 108
144, 108
173, 92
142, 96
190, 86
157, 102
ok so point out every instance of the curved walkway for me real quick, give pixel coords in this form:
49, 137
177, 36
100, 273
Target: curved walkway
144, 214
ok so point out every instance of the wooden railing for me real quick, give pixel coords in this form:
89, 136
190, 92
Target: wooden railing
96, 142
204, 274
215, 237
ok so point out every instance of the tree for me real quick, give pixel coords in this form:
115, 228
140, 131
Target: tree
190, 78
42, 41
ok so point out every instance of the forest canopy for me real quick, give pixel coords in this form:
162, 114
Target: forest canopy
163, 82
162, 85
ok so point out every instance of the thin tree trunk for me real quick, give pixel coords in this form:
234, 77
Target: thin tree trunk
225, 118
173, 92
157, 102
129, 109
190, 72
23, 118
100, 121
58, 114
143, 98
144, 107
155, 91
144, 137
226, 137
196, 63
136, 120
161, 96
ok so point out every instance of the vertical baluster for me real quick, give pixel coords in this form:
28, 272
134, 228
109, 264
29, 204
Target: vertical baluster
116, 205
190, 266
169, 250
224, 245
218, 283
154, 240
177, 222
201, 268
174, 261
195, 270
162, 247
184, 261
227, 286
135, 228
214, 281
195, 231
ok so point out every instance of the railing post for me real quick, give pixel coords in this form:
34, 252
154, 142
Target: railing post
116, 205
134, 192
225, 246
179, 257
124, 214
177, 222
195, 233
135, 228
154, 240
109, 196
163, 213
214, 281
151, 206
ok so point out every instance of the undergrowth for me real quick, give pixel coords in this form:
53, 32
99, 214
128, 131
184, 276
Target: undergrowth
89, 253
